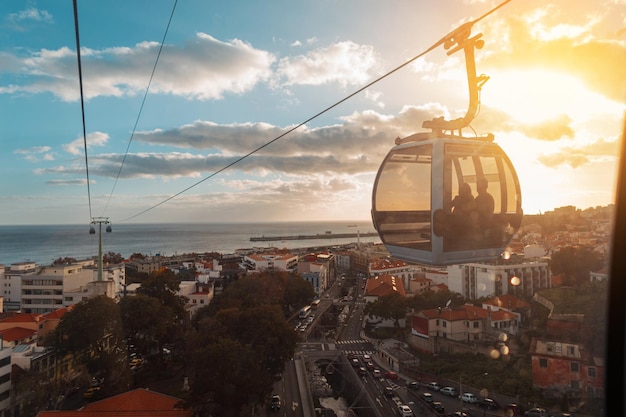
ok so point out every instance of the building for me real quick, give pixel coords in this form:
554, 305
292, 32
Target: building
258, 262
137, 403
475, 280
319, 269
395, 267
465, 324
563, 368
383, 285
12, 284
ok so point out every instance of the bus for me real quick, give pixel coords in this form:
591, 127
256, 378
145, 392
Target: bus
304, 313
315, 303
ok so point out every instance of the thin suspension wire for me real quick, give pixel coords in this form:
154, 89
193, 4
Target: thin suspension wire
332, 106
82, 103
119, 172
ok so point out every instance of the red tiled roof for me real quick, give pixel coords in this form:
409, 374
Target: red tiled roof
136, 403
16, 333
384, 284
23, 318
57, 314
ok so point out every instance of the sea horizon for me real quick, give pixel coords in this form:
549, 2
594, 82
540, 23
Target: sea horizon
43, 244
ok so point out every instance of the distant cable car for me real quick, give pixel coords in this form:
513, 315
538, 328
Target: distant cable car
441, 198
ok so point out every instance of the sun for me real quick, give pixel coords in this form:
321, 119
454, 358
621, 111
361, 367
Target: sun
536, 95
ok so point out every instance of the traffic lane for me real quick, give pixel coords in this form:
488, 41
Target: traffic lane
453, 404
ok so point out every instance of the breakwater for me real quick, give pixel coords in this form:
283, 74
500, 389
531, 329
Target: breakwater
327, 235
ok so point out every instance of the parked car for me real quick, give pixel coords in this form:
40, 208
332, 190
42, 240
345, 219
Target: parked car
489, 404
405, 411
438, 406
433, 386
458, 414
275, 402
427, 397
449, 391
537, 412
468, 397
391, 375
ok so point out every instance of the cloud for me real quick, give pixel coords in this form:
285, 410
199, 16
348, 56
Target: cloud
598, 151
31, 14
357, 146
77, 146
68, 182
203, 68
345, 63
551, 39
36, 153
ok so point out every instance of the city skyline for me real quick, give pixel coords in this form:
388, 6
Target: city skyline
232, 78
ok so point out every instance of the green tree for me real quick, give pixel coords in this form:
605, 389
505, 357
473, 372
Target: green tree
575, 263
92, 331
145, 320
235, 354
164, 285
391, 306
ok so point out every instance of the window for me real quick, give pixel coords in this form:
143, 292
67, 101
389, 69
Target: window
574, 366
591, 371
476, 325
543, 363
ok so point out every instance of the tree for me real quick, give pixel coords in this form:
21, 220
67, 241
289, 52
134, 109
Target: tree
92, 332
163, 285
390, 306
145, 321
575, 263
236, 354
64, 261
112, 258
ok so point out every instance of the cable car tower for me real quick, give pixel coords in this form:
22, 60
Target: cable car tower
441, 198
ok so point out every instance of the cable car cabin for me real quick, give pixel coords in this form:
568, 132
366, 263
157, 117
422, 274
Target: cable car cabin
441, 199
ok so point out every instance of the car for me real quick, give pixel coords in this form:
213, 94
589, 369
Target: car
377, 374
275, 402
367, 358
389, 392
405, 411
391, 375
427, 397
413, 385
458, 414
513, 409
369, 365
537, 412
489, 404
438, 406
362, 371
355, 363
468, 397
449, 391
433, 386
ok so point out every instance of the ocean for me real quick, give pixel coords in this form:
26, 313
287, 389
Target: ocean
44, 244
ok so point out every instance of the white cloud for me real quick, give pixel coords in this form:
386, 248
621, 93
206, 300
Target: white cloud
31, 14
36, 153
77, 146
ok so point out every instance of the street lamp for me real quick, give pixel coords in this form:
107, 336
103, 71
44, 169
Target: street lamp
100, 221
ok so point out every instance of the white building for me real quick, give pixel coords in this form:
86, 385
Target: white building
475, 280
12, 284
258, 262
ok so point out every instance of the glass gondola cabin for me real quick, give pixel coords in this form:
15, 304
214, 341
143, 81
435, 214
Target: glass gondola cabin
430, 202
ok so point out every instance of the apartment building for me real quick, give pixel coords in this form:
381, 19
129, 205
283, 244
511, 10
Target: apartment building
475, 280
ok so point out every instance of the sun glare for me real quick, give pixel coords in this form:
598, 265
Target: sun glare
533, 96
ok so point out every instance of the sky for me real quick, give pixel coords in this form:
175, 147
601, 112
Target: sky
185, 103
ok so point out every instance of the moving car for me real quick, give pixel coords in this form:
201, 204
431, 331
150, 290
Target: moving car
377, 374
275, 402
438, 406
489, 404
468, 397
389, 392
391, 375
449, 391
413, 385
405, 411
427, 397
433, 386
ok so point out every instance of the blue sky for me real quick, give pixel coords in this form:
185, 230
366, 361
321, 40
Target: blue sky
233, 76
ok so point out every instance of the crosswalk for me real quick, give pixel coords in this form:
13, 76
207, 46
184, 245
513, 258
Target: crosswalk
360, 346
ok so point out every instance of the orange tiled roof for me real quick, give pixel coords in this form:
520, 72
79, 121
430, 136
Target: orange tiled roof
57, 314
384, 284
16, 333
136, 403
23, 318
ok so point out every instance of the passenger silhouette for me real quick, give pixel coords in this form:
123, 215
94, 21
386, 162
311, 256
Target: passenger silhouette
484, 208
463, 219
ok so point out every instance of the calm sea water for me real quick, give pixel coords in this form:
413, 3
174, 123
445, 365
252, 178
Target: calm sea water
43, 244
